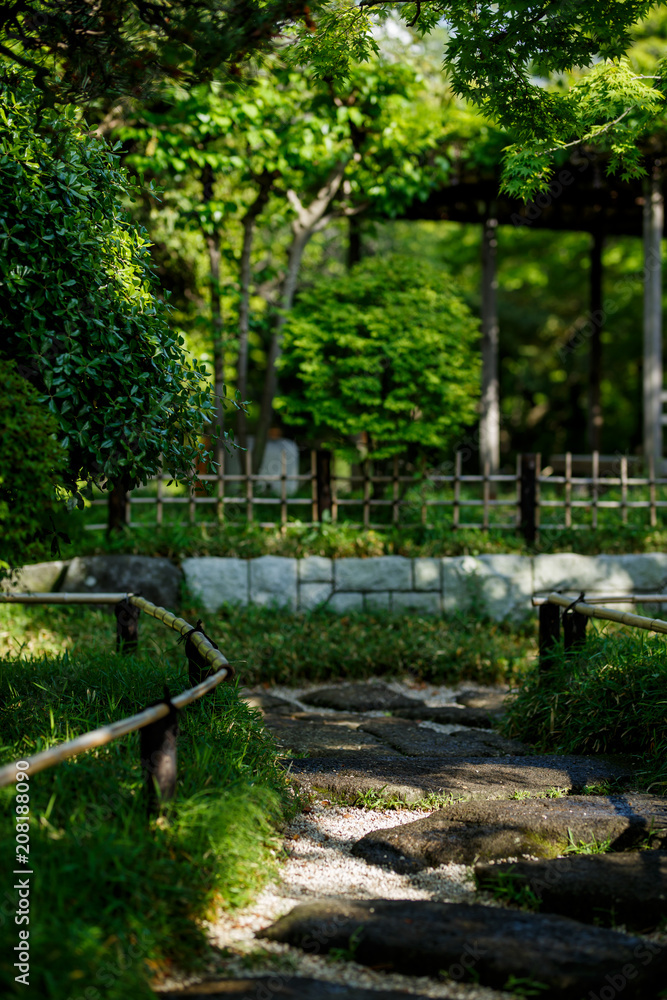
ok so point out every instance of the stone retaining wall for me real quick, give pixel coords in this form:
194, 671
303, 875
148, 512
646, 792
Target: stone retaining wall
499, 586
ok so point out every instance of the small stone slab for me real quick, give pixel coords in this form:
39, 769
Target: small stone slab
628, 889
284, 985
325, 736
359, 698
446, 715
465, 831
412, 779
268, 703
412, 741
155, 578
489, 945
492, 700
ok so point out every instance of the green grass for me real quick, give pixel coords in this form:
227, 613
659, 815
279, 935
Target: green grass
274, 646
246, 541
611, 698
116, 897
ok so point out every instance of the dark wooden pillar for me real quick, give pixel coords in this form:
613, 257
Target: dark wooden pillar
323, 481
595, 416
127, 627
528, 496
652, 373
158, 757
574, 631
549, 634
118, 504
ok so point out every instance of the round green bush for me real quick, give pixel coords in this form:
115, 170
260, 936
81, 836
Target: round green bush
390, 349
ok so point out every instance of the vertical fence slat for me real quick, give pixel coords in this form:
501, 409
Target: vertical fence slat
334, 490
248, 485
220, 488
283, 490
424, 509
395, 488
594, 490
314, 508
457, 491
568, 489
651, 476
486, 496
624, 488
367, 494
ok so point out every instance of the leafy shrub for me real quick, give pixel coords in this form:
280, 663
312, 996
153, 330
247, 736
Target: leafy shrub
389, 349
80, 313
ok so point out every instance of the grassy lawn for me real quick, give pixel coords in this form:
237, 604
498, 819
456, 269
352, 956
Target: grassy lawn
117, 897
274, 646
611, 697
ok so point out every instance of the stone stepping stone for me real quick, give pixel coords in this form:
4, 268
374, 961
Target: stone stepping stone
491, 700
466, 831
490, 945
412, 779
412, 741
282, 985
359, 698
447, 715
268, 703
628, 889
321, 735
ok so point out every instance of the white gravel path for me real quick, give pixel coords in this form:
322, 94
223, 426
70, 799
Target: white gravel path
320, 866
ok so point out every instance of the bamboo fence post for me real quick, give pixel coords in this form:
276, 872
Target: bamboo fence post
624, 489
456, 510
395, 509
568, 489
248, 485
283, 491
314, 507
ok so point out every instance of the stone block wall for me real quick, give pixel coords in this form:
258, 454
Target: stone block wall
500, 586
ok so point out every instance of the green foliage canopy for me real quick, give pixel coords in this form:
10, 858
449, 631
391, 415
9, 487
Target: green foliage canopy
81, 317
389, 349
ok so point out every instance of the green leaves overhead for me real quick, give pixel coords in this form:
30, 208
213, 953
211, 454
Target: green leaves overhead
80, 314
390, 350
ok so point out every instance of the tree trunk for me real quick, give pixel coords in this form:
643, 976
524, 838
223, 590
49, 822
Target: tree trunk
354, 245
595, 418
652, 373
117, 515
309, 220
271, 378
489, 443
250, 218
213, 244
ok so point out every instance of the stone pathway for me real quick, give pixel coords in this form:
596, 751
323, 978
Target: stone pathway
438, 859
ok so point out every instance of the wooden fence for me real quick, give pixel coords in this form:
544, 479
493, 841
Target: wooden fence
529, 499
558, 610
207, 667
